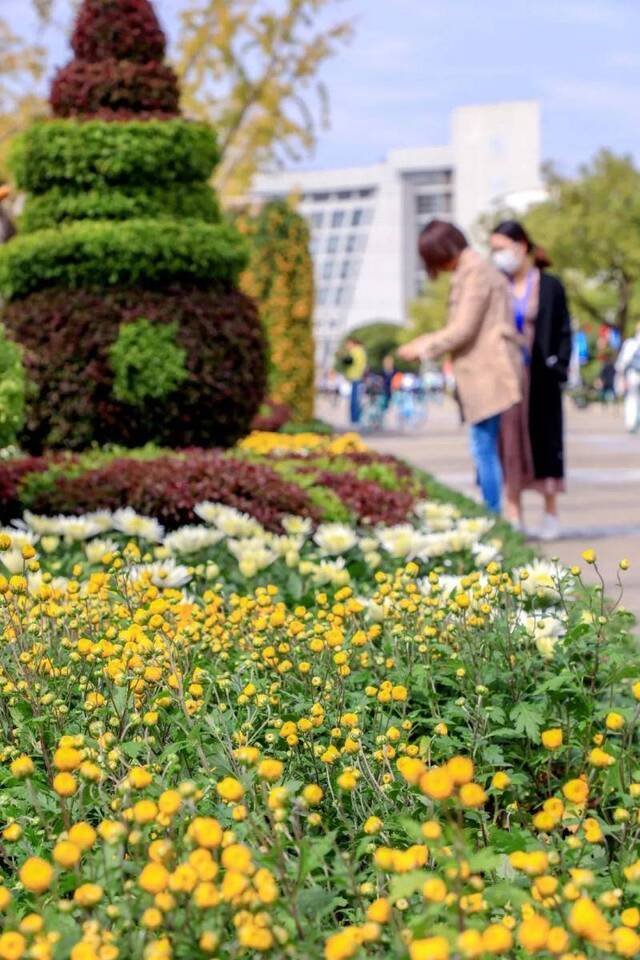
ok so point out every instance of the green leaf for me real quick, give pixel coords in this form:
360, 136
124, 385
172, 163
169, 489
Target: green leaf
407, 883
527, 719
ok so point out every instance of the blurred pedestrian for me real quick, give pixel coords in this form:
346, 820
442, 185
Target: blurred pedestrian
481, 339
388, 372
628, 368
532, 434
354, 362
606, 381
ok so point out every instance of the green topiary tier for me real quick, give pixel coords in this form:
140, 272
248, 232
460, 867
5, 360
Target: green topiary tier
122, 284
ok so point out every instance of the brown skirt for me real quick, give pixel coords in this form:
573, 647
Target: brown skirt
516, 454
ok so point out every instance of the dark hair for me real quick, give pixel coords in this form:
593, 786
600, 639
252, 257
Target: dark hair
440, 243
516, 232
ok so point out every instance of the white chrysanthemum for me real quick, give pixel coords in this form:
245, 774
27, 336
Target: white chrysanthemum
78, 528
20, 538
435, 545
284, 545
297, 526
192, 538
331, 572
475, 526
546, 632
367, 544
39, 524
134, 524
447, 585
162, 573
252, 554
335, 538
232, 522
436, 516
402, 540
103, 518
541, 580
96, 549
13, 561
486, 553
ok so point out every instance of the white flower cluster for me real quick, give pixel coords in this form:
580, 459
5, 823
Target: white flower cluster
323, 555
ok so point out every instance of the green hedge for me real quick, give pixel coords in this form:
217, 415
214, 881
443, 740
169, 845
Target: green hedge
192, 200
128, 253
59, 153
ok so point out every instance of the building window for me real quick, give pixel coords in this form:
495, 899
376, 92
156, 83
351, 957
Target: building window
341, 296
320, 197
352, 243
332, 243
431, 178
317, 219
321, 296
366, 192
345, 195
433, 203
337, 218
345, 269
327, 270
356, 217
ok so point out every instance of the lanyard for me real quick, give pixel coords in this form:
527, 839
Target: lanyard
520, 304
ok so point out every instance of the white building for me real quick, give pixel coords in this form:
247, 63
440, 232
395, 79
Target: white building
365, 220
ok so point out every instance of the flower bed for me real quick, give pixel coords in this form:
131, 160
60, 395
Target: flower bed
328, 740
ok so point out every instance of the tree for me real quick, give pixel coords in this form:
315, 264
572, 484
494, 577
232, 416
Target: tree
429, 311
590, 225
21, 64
280, 279
252, 71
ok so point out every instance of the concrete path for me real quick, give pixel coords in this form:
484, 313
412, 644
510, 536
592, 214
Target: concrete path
601, 508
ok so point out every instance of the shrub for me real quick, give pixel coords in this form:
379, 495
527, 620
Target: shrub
119, 88
124, 29
280, 278
106, 253
73, 403
12, 389
271, 417
367, 500
146, 361
97, 153
169, 488
58, 205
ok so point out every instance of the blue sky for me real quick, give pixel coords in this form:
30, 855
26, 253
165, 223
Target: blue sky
412, 61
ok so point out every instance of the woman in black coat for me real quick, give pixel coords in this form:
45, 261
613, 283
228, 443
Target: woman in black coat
532, 434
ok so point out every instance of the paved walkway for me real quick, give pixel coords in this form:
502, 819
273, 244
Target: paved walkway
601, 508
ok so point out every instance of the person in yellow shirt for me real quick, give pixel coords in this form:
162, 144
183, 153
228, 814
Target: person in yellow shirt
355, 365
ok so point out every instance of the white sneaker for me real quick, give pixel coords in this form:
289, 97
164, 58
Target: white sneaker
550, 529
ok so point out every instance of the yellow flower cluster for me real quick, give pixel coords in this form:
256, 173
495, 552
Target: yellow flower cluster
265, 443
220, 774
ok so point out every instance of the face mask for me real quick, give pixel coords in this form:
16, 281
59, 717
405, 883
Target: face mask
507, 260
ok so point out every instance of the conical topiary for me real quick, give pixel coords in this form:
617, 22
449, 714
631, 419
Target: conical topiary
122, 284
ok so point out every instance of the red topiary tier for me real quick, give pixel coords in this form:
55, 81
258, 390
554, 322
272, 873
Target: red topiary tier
126, 302
118, 71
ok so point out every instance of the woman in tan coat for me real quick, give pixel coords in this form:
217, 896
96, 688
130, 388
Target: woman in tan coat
482, 341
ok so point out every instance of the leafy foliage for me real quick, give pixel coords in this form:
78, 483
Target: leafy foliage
73, 404
251, 69
60, 205
12, 389
169, 487
150, 253
96, 153
146, 361
280, 278
428, 312
589, 226
115, 89
118, 29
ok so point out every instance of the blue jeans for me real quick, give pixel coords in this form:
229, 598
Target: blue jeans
355, 410
484, 448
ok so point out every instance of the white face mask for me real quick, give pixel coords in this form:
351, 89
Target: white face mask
507, 260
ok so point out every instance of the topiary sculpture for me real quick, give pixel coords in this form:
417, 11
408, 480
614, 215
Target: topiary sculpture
120, 227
